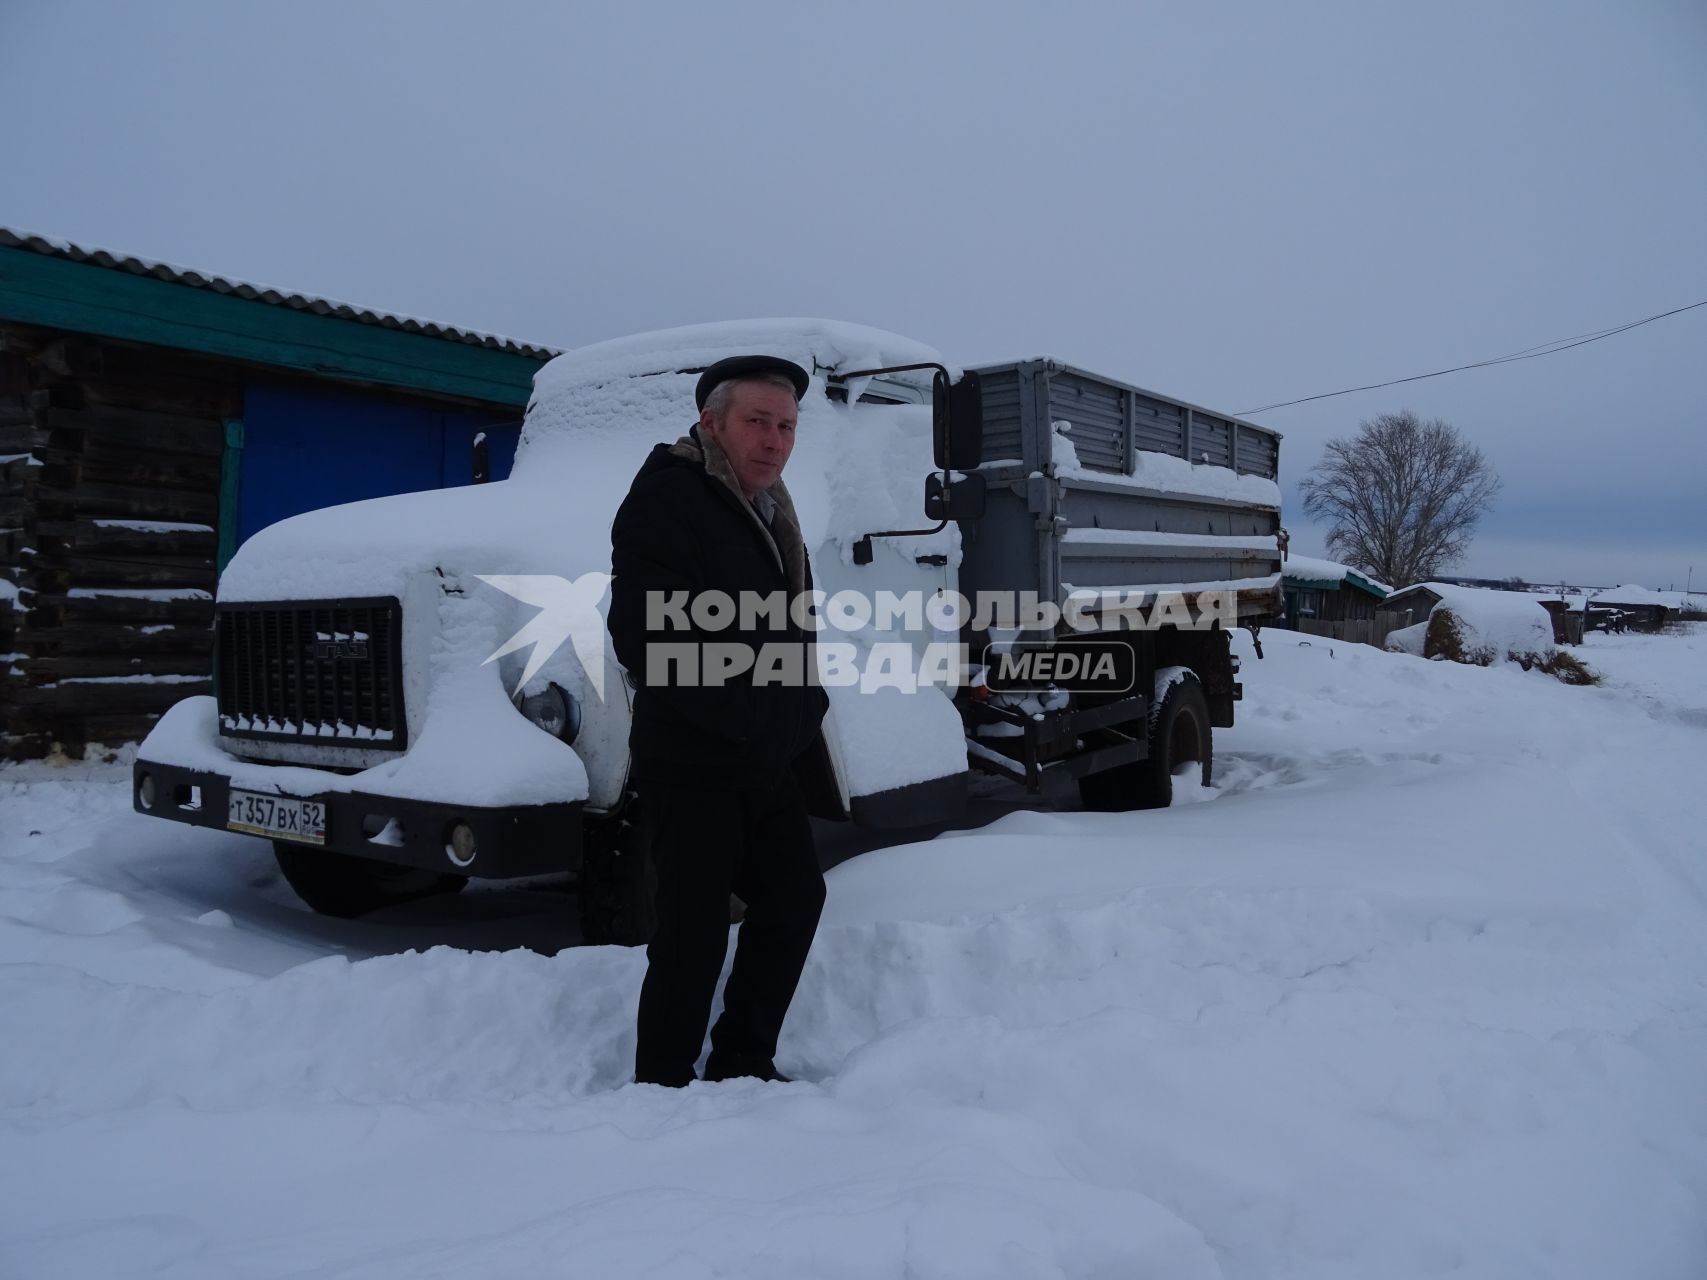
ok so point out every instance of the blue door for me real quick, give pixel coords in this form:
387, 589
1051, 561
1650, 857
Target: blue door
309, 448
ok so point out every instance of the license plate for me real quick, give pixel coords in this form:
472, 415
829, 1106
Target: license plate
282, 817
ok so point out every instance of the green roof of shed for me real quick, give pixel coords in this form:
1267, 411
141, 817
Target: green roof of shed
62, 286
1309, 573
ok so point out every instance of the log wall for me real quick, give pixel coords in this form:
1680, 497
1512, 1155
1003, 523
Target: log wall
110, 474
109, 506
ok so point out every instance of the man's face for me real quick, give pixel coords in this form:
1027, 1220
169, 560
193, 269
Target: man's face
757, 433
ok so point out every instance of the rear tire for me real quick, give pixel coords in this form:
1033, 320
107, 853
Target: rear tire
337, 884
618, 884
1179, 733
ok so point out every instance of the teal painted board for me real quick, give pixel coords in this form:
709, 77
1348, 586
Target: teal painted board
84, 298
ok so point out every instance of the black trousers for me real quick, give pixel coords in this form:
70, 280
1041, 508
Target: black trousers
707, 844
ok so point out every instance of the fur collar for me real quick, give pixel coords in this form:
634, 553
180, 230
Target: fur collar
783, 535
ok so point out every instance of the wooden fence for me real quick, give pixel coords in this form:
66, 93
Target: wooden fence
1353, 631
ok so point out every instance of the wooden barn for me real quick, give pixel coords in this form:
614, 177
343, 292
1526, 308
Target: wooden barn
1640, 608
1324, 598
1407, 606
151, 419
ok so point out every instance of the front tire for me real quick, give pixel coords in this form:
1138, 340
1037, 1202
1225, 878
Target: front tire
337, 884
1179, 734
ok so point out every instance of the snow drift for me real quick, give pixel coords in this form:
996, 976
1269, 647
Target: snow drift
1422, 990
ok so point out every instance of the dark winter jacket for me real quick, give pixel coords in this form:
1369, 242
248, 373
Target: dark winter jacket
685, 526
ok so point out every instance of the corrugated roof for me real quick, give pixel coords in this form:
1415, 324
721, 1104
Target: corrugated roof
272, 297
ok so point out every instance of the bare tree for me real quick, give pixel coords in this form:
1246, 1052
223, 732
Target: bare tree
1402, 497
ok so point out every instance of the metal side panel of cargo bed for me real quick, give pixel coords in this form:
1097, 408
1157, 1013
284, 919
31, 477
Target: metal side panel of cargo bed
1165, 494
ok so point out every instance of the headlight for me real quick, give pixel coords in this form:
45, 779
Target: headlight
553, 710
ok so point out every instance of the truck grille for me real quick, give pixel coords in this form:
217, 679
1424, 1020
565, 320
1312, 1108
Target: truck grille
327, 671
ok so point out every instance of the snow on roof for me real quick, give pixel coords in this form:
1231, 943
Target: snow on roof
1612, 597
1633, 594
1400, 593
818, 346
64, 249
1309, 569
614, 399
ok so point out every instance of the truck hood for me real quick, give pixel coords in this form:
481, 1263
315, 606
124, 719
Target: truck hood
374, 548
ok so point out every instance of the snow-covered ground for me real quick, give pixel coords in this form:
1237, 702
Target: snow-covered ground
1422, 990
1667, 674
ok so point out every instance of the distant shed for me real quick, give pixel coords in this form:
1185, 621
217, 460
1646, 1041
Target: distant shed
151, 419
1409, 605
1643, 610
1325, 598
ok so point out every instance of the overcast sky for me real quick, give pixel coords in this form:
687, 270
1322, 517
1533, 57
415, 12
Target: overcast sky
1235, 204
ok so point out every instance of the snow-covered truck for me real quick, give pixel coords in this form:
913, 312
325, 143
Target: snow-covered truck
419, 689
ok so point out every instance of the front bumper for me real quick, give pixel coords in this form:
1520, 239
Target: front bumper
516, 840
917, 804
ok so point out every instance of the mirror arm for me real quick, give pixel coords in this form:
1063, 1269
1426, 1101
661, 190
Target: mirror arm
893, 368
862, 550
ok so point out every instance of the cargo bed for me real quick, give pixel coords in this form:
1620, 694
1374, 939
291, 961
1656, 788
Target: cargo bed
1097, 486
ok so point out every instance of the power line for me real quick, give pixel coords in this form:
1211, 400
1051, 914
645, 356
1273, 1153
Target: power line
1528, 353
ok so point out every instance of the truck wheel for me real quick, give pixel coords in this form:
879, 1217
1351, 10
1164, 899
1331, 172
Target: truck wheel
1179, 734
617, 885
337, 884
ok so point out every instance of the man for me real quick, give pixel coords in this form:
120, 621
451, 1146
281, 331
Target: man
713, 763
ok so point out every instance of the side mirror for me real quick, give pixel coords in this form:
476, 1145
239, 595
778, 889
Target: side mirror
961, 500
957, 421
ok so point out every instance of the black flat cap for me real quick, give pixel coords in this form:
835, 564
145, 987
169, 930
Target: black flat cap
747, 367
